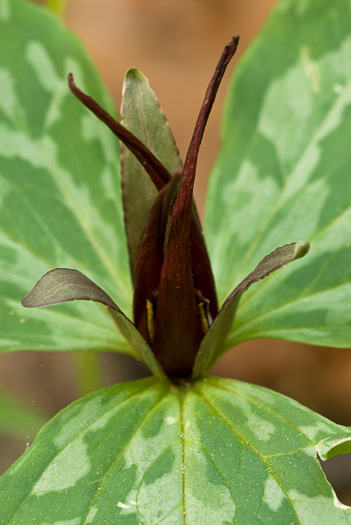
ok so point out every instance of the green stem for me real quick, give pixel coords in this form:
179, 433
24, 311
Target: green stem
89, 376
57, 6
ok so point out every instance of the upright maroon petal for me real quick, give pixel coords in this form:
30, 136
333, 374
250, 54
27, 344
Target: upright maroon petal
186, 190
150, 253
179, 327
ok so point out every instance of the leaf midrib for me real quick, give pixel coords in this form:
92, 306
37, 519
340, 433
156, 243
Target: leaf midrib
123, 449
228, 423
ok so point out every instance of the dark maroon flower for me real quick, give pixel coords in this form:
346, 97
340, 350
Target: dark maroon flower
175, 304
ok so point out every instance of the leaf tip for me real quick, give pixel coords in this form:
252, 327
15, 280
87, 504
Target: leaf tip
236, 40
134, 76
70, 80
301, 249
135, 73
26, 302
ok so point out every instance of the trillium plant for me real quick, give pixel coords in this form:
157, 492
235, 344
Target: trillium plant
175, 304
182, 446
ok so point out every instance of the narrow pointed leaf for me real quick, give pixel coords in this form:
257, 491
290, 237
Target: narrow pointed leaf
212, 345
59, 186
283, 174
145, 452
141, 114
62, 285
272, 262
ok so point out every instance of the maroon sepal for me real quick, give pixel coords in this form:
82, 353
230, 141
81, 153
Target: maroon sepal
179, 326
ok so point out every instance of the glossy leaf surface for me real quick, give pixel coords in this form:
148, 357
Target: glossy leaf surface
59, 186
220, 451
283, 174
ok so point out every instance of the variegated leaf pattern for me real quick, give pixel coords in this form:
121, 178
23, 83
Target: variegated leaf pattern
219, 451
283, 174
60, 203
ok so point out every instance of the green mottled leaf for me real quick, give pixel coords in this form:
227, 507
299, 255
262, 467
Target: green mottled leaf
141, 114
18, 419
59, 185
212, 344
219, 451
283, 174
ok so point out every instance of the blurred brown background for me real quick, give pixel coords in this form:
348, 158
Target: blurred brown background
176, 43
